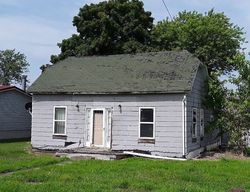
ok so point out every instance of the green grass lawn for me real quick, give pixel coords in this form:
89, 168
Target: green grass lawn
16, 156
46, 173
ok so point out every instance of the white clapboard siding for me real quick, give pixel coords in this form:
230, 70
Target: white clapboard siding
125, 122
195, 99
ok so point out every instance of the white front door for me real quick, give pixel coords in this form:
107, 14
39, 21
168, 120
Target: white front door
98, 128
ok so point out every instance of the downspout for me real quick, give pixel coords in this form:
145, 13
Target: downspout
153, 156
184, 127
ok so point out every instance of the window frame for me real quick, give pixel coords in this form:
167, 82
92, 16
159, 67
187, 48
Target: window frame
202, 127
194, 136
54, 120
153, 123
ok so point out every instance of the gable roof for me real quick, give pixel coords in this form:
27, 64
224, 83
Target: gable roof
154, 72
5, 88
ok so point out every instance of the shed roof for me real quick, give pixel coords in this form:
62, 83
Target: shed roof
154, 72
5, 88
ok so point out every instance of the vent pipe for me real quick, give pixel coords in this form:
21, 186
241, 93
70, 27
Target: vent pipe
24, 82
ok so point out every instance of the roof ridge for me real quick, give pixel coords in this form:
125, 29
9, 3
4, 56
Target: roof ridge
126, 54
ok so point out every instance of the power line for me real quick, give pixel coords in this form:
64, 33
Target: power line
165, 5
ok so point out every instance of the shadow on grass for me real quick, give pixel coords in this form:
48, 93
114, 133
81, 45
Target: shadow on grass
14, 140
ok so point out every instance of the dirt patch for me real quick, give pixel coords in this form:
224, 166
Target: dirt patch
37, 152
217, 155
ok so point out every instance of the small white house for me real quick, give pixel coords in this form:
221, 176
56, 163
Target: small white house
152, 102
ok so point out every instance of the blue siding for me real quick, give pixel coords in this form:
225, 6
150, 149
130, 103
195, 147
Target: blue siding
15, 121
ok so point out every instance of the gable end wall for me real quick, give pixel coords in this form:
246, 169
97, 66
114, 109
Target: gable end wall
195, 99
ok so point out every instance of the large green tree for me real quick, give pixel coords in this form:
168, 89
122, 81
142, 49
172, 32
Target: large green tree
109, 27
217, 42
12, 66
210, 36
234, 116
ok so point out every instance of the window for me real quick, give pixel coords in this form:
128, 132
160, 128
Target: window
60, 120
146, 122
201, 122
194, 123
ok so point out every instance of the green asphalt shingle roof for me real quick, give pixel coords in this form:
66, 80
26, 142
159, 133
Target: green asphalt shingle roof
155, 72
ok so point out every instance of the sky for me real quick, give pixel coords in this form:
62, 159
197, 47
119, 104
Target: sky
34, 27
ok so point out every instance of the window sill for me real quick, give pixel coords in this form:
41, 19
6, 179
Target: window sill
151, 141
58, 136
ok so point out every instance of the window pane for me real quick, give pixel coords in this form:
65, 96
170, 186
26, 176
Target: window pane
194, 124
194, 115
60, 127
59, 113
147, 115
194, 129
194, 118
202, 122
146, 130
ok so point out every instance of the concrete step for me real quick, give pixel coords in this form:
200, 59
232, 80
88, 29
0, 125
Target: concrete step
87, 156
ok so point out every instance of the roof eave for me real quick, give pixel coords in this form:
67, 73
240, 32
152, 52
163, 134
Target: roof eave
110, 93
15, 89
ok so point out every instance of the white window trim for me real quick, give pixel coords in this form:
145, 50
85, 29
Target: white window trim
146, 122
54, 111
202, 127
194, 136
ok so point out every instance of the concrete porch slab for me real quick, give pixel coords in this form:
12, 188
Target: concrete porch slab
91, 153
